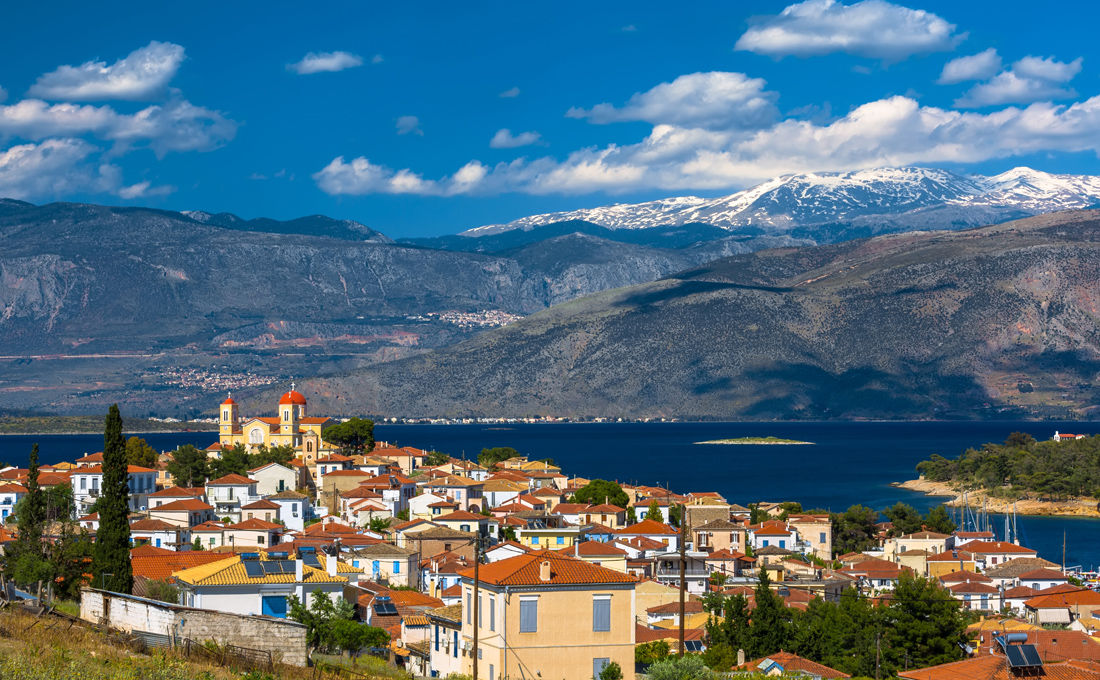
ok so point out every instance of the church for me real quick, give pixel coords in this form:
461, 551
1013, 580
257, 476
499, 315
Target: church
292, 427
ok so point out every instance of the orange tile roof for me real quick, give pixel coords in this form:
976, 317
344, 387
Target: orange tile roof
231, 480
253, 525
792, 664
261, 504
459, 515
1043, 575
647, 527
178, 492
991, 667
98, 470
187, 504
1076, 598
524, 570
13, 488
594, 549
152, 525
995, 548
158, 564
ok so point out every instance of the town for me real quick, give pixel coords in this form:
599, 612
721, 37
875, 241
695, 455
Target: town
513, 568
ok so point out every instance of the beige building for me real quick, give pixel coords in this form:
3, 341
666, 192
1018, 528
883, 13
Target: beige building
549, 615
719, 534
815, 534
928, 541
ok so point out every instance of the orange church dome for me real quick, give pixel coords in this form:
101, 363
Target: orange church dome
228, 402
293, 397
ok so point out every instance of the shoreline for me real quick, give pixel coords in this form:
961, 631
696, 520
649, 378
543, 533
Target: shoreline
100, 432
749, 441
1085, 507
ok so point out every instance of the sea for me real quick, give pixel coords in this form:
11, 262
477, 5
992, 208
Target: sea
848, 463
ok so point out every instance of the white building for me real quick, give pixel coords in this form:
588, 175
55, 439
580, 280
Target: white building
9, 496
273, 478
244, 584
87, 485
227, 494
293, 509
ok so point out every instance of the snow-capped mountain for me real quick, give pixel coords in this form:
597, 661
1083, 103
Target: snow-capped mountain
868, 201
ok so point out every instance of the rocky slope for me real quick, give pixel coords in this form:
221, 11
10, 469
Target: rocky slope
990, 322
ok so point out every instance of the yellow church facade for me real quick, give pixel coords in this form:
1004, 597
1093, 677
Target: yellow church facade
291, 427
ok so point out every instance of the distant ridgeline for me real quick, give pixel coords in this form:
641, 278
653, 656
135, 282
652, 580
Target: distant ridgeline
1021, 465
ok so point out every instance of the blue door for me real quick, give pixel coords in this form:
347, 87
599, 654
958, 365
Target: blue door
274, 605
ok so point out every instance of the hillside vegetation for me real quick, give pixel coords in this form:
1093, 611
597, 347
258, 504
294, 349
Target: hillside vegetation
998, 321
1022, 466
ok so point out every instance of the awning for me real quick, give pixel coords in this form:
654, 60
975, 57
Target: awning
1053, 615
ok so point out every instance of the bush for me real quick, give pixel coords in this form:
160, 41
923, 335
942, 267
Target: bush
688, 667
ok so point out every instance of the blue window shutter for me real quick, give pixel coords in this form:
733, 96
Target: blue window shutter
601, 615
598, 665
454, 647
396, 567
528, 616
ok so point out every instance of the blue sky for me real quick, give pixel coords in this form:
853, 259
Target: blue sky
429, 118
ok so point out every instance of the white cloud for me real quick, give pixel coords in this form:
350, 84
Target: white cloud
1030, 79
409, 125
709, 100
510, 93
61, 167
504, 139
870, 28
975, 67
142, 74
322, 62
176, 125
1048, 69
887, 132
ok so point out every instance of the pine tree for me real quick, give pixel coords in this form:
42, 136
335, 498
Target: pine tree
111, 564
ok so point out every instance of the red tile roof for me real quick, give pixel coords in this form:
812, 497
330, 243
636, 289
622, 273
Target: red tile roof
647, 527
261, 504
178, 492
1043, 575
231, 480
593, 549
524, 570
459, 515
187, 504
98, 470
792, 664
158, 564
253, 525
152, 525
996, 548
1077, 598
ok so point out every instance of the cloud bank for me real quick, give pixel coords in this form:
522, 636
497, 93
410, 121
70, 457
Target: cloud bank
143, 74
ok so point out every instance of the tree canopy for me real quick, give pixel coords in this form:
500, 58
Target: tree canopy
1022, 465
138, 452
907, 520
330, 625
602, 491
490, 457
189, 466
353, 436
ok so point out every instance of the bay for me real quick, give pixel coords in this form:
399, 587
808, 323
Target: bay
849, 463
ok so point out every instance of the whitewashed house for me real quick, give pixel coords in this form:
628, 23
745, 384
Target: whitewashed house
227, 494
87, 485
273, 478
294, 509
9, 496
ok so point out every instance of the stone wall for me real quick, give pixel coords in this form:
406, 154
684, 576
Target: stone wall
286, 640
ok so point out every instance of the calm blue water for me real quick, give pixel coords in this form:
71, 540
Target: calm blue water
850, 462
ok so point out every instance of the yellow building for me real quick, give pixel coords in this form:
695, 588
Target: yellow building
548, 615
291, 427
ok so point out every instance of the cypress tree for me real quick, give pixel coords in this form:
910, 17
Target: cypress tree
111, 562
26, 562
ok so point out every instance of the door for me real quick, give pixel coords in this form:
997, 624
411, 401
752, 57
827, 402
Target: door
274, 605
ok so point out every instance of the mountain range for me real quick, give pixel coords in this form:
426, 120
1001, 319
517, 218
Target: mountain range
829, 207
101, 304
992, 322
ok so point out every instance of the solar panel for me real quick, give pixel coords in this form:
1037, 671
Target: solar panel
312, 561
277, 555
1015, 657
287, 566
271, 567
306, 550
250, 556
385, 608
253, 569
693, 645
1031, 655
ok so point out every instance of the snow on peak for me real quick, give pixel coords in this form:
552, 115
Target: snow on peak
885, 197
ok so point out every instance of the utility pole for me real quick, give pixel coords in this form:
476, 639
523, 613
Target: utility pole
477, 597
683, 574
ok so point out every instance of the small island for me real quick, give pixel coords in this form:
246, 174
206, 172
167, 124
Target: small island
756, 440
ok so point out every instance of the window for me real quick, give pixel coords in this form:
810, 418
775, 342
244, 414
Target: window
765, 543
454, 646
821, 537
83, 483
396, 567
492, 613
782, 543
491, 670
470, 608
211, 540
260, 539
436, 637
374, 567
561, 540
480, 613
601, 613
534, 540
598, 665
528, 615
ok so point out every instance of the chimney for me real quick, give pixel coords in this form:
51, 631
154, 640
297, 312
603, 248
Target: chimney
298, 569
544, 571
740, 657
330, 564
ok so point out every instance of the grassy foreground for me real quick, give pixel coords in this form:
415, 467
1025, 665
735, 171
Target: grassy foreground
48, 648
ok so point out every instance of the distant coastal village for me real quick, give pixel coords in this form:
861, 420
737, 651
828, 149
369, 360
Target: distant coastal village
296, 539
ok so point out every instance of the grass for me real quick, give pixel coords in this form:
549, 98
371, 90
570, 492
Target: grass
48, 648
